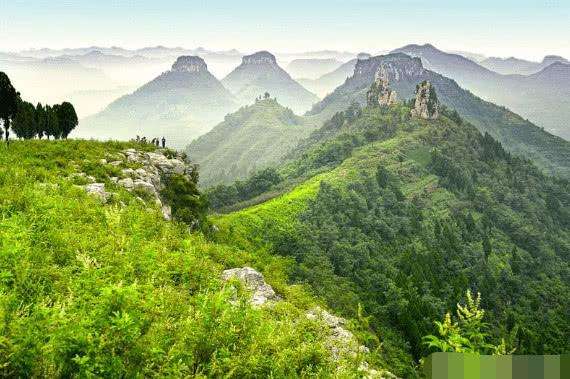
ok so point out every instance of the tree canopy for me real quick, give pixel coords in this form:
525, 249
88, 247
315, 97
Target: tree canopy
29, 121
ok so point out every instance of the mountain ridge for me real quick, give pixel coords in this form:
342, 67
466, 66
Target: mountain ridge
259, 73
518, 135
180, 104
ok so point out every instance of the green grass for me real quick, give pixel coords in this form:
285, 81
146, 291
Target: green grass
113, 290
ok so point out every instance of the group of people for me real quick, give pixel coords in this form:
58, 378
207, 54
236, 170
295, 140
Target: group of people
154, 141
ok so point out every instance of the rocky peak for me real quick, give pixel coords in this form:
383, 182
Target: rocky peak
363, 56
397, 66
189, 64
426, 105
380, 92
549, 59
261, 57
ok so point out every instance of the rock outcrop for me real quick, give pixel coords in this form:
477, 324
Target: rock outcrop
341, 342
380, 92
148, 178
145, 180
189, 64
426, 105
253, 281
98, 190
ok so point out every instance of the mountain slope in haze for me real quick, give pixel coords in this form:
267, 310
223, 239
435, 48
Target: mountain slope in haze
311, 68
248, 140
395, 218
53, 80
512, 65
260, 73
180, 104
328, 82
544, 102
519, 136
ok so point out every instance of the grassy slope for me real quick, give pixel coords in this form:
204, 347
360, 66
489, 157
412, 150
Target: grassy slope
250, 139
114, 290
248, 226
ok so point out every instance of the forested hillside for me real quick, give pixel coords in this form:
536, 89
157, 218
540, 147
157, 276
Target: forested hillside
396, 217
248, 140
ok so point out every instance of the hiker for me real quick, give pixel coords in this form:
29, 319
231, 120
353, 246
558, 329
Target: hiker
163, 142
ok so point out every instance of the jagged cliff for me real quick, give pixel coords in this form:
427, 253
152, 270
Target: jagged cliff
426, 104
380, 92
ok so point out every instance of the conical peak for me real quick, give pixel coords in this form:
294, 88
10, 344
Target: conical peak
189, 64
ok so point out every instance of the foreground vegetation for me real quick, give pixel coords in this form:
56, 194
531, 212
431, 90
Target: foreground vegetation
399, 217
113, 290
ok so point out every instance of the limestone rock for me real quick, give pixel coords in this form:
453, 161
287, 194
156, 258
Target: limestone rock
254, 281
127, 183
426, 105
341, 342
147, 178
380, 92
98, 190
166, 212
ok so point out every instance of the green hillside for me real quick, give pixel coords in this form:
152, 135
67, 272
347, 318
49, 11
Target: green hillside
113, 290
391, 219
248, 140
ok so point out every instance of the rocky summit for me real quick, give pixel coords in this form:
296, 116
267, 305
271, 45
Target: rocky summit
189, 64
380, 92
426, 105
261, 57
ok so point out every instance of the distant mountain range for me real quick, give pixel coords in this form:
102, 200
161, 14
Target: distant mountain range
325, 84
542, 97
518, 135
311, 68
512, 65
259, 73
54, 79
180, 104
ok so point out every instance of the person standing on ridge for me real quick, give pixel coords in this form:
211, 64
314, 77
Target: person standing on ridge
163, 142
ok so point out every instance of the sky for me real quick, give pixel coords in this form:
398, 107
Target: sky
525, 29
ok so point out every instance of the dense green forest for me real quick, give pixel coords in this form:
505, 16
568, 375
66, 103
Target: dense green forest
402, 216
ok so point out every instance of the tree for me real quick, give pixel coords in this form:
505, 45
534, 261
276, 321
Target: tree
9, 99
67, 119
51, 125
24, 123
40, 118
187, 203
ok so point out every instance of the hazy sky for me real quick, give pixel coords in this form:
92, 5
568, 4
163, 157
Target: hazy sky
528, 29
